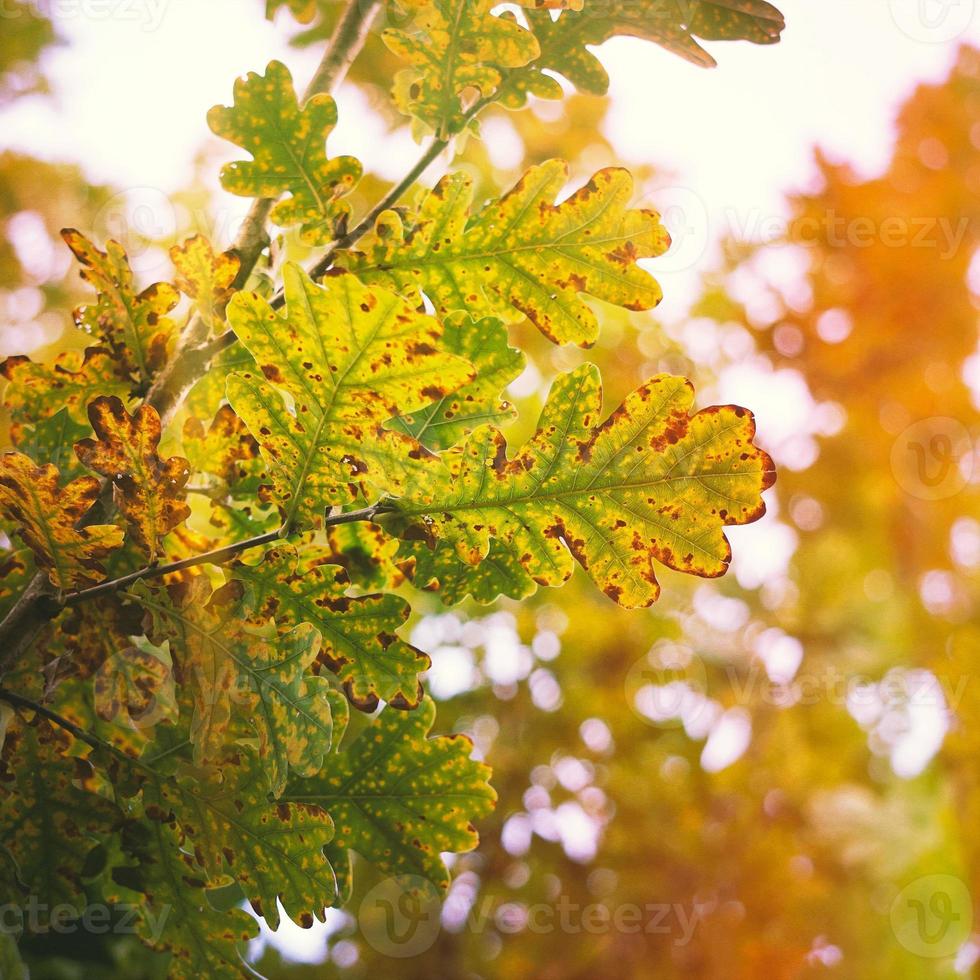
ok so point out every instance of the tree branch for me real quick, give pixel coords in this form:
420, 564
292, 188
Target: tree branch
37, 605
215, 557
16, 701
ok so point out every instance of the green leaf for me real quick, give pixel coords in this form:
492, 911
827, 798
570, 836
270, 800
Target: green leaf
174, 910
134, 326
11, 965
672, 25
359, 639
225, 450
484, 344
206, 397
51, 440
651, 483
47, 513
287, 144
349, 357
454, 47
230, 664
522, 253
366, 553
398, 798
49, 826
274, 850
439, 569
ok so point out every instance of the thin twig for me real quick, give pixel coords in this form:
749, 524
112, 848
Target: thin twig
215, 557
16, 701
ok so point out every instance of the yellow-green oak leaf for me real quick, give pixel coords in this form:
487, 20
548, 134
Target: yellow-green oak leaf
349, 357
288, 147
521, 254
652, 483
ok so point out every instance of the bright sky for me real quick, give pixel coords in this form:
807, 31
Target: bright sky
134, 84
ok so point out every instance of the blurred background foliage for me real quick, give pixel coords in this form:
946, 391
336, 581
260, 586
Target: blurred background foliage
782, 760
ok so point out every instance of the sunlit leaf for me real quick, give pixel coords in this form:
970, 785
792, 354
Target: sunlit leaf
650, 483
522, 254
484, 344
439, 569
349, 357
206, 276
134, 326
454, 48
39, 391
237, 832
399, 798
287, 144
359, 635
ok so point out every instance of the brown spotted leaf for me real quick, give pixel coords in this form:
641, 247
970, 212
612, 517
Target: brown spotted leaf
454, 49
522, 254
48, 825
168, 891
233, 666
483, 343
349, 357
399, 798
439, 569
134, 687
225, 450
366, 553
148, 490
360, 643
134, 326
288, 147
237, 832
675, 25
39, 391
651, 483
46, 515
206, 276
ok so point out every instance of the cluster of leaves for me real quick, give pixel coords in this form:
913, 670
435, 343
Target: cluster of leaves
218, 573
